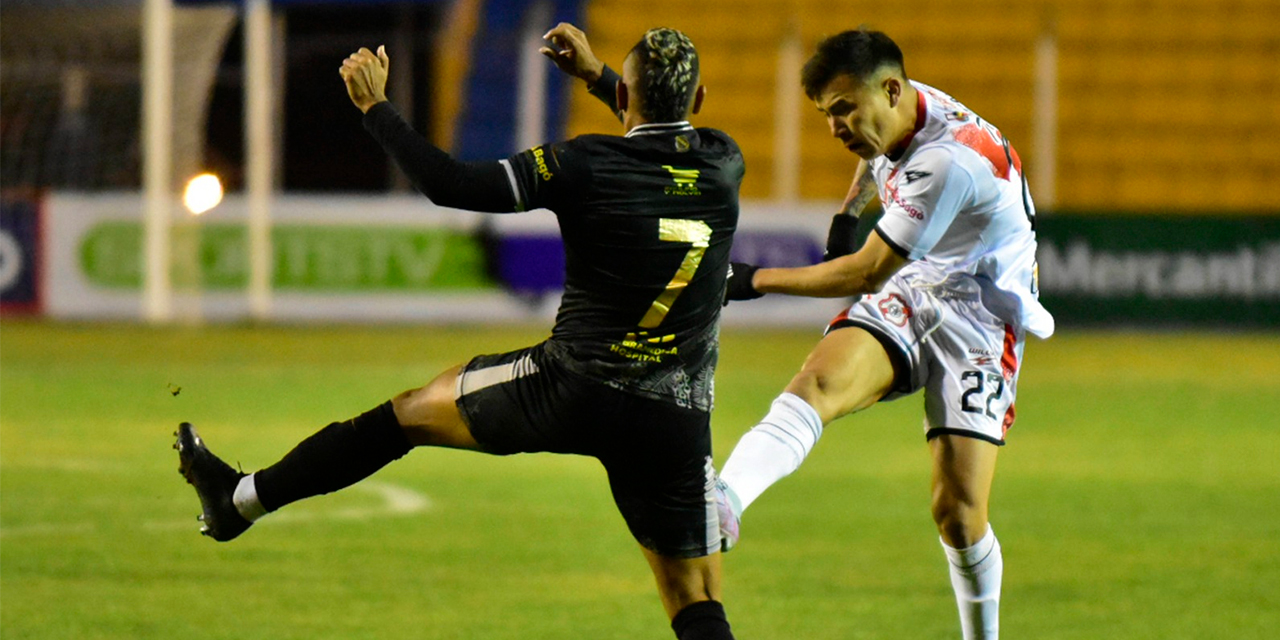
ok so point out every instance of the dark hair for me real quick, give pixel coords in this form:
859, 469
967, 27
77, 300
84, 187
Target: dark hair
668, 74
858, 53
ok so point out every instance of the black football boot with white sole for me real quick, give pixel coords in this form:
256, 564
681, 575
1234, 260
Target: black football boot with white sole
215, 483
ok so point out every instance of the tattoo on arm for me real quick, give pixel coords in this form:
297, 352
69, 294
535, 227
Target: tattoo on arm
866, 193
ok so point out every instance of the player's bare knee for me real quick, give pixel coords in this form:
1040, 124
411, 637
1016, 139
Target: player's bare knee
429, 416
807, 385
411, 407
683, 595
684, 581
961, 522
815, 388
830, 397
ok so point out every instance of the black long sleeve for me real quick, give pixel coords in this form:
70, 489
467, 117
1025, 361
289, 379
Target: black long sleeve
477, 186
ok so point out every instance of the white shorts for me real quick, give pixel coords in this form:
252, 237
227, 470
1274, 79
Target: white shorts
947, 343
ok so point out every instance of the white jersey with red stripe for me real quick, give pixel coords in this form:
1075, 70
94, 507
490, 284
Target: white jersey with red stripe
956, 204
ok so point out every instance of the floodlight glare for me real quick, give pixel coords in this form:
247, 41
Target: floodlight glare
203, 193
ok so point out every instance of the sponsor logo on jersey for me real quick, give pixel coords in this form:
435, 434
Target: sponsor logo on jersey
644, 336
540, 157
639, 348
912, 176
891, 196
895, 309
685, 182
982, 357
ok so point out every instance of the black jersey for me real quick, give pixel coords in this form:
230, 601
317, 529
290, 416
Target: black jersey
647, 221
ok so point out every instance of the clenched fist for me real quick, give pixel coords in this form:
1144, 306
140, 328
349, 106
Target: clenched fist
366, 76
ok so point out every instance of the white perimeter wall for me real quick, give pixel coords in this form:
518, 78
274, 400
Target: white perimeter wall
70, 292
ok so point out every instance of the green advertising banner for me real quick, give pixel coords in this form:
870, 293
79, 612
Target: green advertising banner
381, 258
321, 258
1161, 270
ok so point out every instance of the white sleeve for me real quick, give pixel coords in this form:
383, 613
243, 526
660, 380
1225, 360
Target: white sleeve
922, 200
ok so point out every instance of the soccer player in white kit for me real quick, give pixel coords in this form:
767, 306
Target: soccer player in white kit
947, 286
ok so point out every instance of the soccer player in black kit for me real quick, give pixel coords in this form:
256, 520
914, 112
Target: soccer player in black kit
626, 376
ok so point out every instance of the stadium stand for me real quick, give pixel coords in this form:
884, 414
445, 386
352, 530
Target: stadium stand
1162, 106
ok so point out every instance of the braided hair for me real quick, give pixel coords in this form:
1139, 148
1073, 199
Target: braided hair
668, 74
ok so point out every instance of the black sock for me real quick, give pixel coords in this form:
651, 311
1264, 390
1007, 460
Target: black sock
337, 456
702, 621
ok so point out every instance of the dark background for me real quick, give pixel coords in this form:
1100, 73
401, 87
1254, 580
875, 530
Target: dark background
325, 148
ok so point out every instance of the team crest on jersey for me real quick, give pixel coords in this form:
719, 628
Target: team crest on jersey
682, 144
895, 309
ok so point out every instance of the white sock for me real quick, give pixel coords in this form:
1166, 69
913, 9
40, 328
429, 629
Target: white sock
246, 499
773, 449
975, 576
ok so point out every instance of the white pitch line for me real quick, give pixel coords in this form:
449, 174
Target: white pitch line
396, 501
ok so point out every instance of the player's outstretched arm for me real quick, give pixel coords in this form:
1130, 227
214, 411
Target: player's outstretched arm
569, 49
863, 272
478, 186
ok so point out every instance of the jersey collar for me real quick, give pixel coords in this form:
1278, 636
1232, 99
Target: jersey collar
659, 128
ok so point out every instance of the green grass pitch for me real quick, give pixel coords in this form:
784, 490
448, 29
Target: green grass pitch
1139, 498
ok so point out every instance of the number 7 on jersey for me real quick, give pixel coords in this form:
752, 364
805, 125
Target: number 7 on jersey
698, 234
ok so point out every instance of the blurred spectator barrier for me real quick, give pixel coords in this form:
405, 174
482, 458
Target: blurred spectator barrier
377, 258
21, 252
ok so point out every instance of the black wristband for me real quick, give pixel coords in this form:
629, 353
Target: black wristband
739, 286
606, 88
841, 237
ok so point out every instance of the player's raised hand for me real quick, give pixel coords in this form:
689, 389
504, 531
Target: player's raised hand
569, 49
366, 77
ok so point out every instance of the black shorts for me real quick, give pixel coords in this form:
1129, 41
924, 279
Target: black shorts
657, 455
